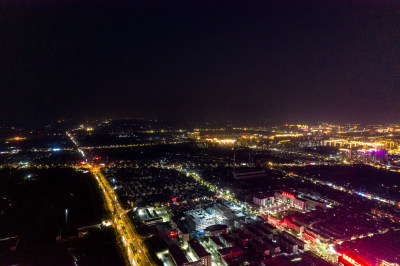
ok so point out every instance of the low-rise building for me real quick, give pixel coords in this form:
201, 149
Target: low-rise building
177, 256
300, 243
266, 247
286, 245
183, 232
216, 242
216, 229
298, 228
196, 248
227, 240
230, 252
242, 237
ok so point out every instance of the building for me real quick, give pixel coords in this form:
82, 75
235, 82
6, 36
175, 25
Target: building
230, 252
298, 228
227, 240
286, 245
300, 243
317, 234
266, 247
177, 256
198, 250
263, 200
290, 200
150, 217
269, 228
380, 156
199, 219
183, 232
242, 221
313, 203
254, 232
215, 242
242, 237
226, 214
216, 229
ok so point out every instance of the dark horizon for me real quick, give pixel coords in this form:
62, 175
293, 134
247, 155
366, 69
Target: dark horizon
200, 60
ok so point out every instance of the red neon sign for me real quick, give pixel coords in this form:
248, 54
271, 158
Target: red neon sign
309, 236
350, 260
287, 194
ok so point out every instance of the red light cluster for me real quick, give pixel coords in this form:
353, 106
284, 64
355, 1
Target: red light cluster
287, 194
350, 259
173, 199
309, 236
173, 234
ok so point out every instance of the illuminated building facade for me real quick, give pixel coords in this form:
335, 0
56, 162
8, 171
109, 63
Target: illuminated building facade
290, 200
263, 200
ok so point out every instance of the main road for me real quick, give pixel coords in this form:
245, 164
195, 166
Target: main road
132, 244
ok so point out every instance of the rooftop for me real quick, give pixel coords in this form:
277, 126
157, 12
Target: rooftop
178, 254
216, 227
231, 250
216, 240
199, 215
198, 248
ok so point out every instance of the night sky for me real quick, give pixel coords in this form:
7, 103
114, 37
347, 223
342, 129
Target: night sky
199, 60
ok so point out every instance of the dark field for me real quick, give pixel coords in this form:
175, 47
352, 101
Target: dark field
35, 211
39, 199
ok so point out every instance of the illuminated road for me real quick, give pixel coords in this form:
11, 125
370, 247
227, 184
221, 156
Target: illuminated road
132, 244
